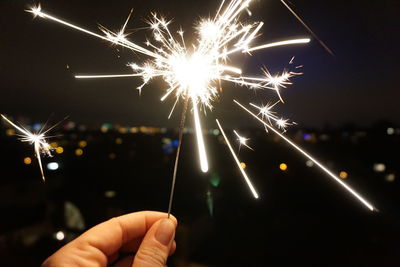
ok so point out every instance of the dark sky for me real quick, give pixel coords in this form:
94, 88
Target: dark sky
358, 85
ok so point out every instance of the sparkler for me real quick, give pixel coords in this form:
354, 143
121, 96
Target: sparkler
38, 140
195, 73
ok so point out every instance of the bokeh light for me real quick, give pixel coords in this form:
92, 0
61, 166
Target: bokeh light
78, 152
27, 161
53, 166
283, 167
59, 150
82, 144
54, 144
59, 235
10, 132
379, 167
343, 175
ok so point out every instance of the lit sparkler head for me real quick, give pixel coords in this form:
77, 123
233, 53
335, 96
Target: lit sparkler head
193, 74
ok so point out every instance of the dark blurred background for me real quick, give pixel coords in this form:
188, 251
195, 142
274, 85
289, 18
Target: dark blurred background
302, 216
115, 153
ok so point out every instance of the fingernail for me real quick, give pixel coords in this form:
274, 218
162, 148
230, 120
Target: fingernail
165, 232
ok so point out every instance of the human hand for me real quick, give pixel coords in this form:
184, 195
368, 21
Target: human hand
147, 235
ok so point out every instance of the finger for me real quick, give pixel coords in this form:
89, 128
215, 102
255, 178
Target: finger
173, 248
125, 262
156, 245
128, 260
101, 242
111, 235
133, 246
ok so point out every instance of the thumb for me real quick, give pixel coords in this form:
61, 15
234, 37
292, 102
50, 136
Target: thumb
156, 245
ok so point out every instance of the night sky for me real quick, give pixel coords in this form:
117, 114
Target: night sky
38, 59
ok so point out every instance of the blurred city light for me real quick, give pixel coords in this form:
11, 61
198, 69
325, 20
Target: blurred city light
175, 143
243, 165
283, 167
379, 167
54, 144
112, 156
110, 194
343, 175
82, 144
307, 137
215, 180
53, 166
37, 127
59, 235
167, 146
69, 126
134, 130
27, 161
10, 132
119, 141
106, 127
78, 152
123, 130
59, 150
391, 177
324, 137
390, 131
310, 163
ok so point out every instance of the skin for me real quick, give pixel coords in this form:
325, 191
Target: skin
145, 238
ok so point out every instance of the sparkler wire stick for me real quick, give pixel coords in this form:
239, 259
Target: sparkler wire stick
178, 151
246, 178
106, 76
337, 179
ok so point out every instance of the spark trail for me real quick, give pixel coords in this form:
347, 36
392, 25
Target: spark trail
38, 140
322, 167
246, 178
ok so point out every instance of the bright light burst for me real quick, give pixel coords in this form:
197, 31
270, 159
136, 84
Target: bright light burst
242, 140
195, 72
38, 140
